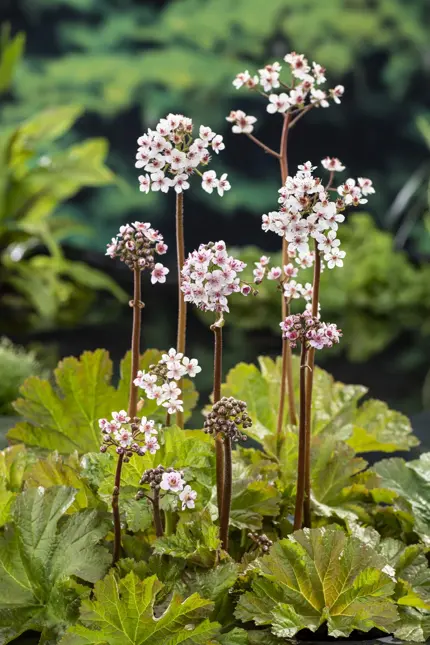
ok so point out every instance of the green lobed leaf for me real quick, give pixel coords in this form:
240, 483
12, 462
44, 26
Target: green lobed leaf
408, 482
64, 416
195, 540
39, 554
123, 612
320, 576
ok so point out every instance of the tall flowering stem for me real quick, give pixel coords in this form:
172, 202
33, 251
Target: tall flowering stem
182, 306
309, 388
170, 156
136, 246
219, 447
291, 98
209, 276
137, 306
226, 420
300, 494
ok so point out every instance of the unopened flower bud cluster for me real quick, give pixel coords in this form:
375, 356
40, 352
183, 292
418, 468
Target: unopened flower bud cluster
210, 275
136, 245
262, 541
304, 328
227, 417
160, 382
170, 154
170, 481
136, 435
299, 91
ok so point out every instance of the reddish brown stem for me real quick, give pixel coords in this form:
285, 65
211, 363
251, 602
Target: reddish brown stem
300, 494
226, 502
219, 447
137, 306
157, 514
286, 384
301, 115
263, 146
182, 305
309, 387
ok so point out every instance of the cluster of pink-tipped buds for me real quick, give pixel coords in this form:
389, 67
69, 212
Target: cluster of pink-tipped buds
129, 435
304, 328
136, 245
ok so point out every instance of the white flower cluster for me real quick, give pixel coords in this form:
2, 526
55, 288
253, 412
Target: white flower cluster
173, 482
209, 276
137, 435
170, 155
160, 382
302, 91
306, 211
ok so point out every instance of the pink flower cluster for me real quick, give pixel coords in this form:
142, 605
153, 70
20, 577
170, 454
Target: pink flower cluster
306, 211
304, 328
169, 155
209, 276
135, 245
129, 435
160, 382
301, 92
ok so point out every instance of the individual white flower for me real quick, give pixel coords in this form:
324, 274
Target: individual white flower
223, 184
241, 79
171, 390
292, 289
334, 258
333, 164
275, 273
191, 366
180, 183
366, 185
144, 183
209, 181
159, 273
217, 143
243, 123
319, 98
147, 426
337, 93
172, 354
160, 182
172, 481
278, 103
328, 242
121, 416
174, 405
123, 437
151, 444
188, 497
319, 73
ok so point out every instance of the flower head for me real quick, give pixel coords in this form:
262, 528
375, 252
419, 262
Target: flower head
136, 244
170, 154
209, 276
188, 497
172, 481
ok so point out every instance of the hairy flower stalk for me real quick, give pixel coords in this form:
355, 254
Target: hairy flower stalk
312, 334
225, 421
209, 276
182, 306
135, 245
170, 155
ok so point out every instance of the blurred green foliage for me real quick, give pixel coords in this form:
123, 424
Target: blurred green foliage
120, 60
36, 176
377, 295
16, 365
